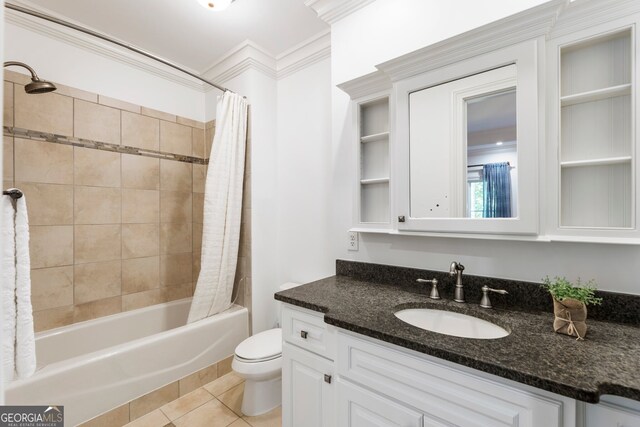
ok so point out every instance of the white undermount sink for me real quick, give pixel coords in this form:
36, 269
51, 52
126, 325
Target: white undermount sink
451, 323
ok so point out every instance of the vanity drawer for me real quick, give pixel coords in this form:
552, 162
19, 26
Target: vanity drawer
307, 329
442, 392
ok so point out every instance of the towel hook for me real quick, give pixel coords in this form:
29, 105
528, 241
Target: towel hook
14, 193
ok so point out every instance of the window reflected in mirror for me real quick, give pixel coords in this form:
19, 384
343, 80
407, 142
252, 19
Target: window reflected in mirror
492, 155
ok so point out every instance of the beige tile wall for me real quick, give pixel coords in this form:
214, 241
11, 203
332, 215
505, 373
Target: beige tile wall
110, 232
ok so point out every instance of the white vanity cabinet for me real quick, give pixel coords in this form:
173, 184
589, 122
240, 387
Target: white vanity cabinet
442, 394
338, 378
308, 372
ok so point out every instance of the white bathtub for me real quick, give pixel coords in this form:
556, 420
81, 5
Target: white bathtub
92, 367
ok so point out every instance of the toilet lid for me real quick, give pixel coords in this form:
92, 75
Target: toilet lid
263, 345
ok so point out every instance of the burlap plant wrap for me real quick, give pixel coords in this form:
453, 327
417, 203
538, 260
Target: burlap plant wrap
571, 316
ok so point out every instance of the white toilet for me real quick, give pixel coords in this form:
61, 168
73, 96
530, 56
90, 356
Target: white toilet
258, 360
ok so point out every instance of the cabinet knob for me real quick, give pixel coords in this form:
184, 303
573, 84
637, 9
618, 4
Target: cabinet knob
327, 378
304, 334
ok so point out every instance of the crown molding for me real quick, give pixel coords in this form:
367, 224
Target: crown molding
305, 54
531, 23
249, 55
95, 46
331, 11
582, 14
368, 84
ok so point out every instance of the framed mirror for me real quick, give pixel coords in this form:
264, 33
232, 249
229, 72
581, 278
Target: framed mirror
463, 133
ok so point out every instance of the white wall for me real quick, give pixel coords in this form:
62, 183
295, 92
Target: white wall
379, 32
85, 69
304, 178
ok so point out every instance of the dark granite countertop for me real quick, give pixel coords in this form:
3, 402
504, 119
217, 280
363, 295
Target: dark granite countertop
607, 362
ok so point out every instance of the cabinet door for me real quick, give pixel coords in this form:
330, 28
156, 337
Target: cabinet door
307, 389
358, 407
605, 415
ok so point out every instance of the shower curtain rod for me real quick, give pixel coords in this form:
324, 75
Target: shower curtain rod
111, 40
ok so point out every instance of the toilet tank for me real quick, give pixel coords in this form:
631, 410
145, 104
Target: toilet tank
283, 287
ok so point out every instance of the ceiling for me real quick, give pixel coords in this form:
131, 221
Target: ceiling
491, 118
186, 33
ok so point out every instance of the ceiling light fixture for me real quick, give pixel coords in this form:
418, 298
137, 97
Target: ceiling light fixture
499, 143
215, 5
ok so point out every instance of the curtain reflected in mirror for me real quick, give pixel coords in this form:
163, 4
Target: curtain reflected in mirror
491, 155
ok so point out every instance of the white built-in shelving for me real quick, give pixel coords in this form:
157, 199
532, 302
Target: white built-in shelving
374, 160
596, 95
596, 141
382, 136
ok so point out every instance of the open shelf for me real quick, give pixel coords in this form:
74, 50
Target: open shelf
374, 117
374, 203
596, 156
596, 95
597, 196
374, 171
595, 63
596, 162
375, 137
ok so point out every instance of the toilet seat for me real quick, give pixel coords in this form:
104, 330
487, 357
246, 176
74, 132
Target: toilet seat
261, 347
266, 359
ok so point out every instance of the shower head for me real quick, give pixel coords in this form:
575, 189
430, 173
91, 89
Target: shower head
37, 85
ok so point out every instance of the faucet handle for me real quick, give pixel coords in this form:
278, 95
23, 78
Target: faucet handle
434, 288
485, 302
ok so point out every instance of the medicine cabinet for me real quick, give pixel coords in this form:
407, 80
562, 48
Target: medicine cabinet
464, 131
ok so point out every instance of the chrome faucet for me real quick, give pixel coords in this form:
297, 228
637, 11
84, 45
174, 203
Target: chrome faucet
456, 269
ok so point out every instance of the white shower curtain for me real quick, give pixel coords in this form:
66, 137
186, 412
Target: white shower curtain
222, 209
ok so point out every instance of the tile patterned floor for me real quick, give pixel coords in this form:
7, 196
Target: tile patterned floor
216, 404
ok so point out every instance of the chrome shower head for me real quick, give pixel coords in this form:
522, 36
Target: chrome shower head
37, 85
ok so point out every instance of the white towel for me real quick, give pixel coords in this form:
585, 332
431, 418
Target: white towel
8, 289
25, 339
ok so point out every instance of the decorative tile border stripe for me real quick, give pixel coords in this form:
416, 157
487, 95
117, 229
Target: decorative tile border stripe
97, 145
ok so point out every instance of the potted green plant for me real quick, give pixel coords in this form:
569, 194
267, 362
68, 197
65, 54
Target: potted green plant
570, 303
